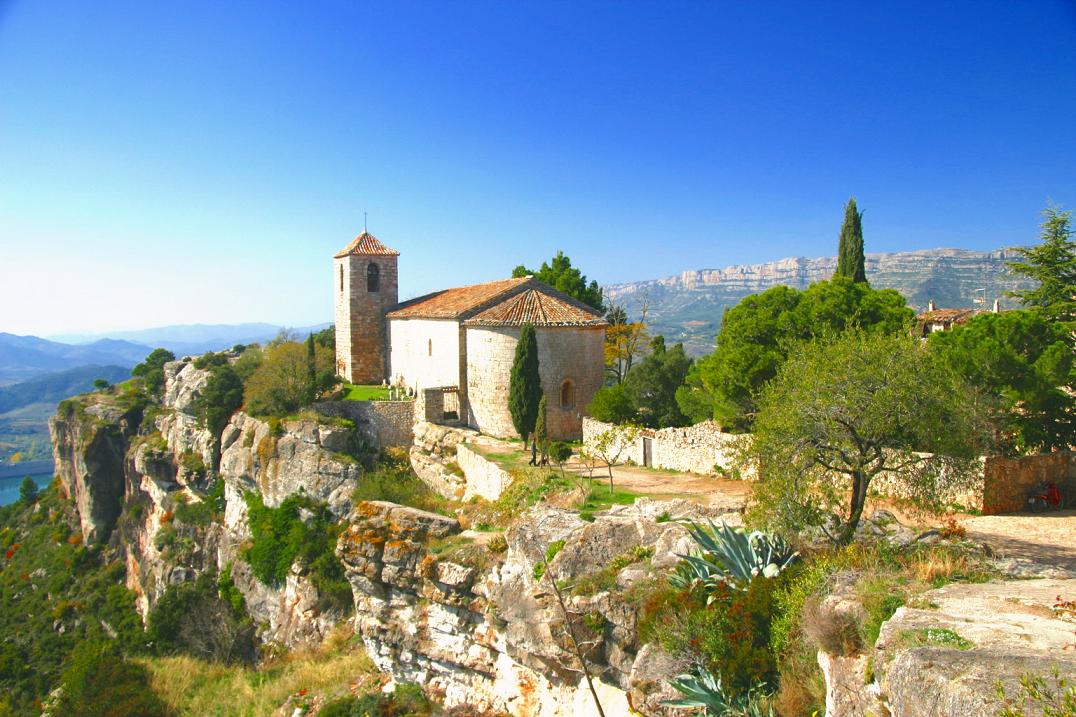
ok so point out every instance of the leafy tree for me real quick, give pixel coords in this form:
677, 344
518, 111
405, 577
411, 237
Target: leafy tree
194, 618
850, 256
27, 491
623, 341
1053, 265
562, 276
151, 370
756, 334
311, 366
281, 383
612, 404
101, 384
843, 410
651, 386
610, 445
525, 386
1024, 361
249, 360
222, 396
99, 682
326, 337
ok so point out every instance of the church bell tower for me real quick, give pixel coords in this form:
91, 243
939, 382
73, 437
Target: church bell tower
364, 287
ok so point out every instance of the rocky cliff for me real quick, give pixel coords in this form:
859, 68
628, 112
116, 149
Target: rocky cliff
688, 307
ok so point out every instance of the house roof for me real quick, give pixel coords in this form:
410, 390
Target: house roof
949, 316
540, 306
366, 243
508, 302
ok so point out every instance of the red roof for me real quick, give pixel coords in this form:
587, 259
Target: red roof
541, 306
508, 302
367, 244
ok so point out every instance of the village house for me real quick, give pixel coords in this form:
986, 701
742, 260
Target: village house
935, 319
462, 340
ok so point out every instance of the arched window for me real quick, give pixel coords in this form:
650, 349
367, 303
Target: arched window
567, 394
341, 278
373, 278
429, 347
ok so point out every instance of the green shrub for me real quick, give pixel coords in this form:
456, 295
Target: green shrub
192, 618
280, 537
99, 682
729, 637
394, 481
406, 700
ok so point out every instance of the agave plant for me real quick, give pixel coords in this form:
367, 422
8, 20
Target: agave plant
706, 691
730, 556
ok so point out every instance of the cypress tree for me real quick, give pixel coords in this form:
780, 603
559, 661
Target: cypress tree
525, 387
541, 433
311, 368
850, 257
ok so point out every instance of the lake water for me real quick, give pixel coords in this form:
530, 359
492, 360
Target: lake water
9, 487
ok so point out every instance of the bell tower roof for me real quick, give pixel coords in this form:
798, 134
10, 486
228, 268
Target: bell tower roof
368, 245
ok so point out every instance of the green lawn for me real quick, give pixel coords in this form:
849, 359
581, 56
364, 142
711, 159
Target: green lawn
365, 393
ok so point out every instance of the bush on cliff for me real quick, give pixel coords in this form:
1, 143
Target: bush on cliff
298, 529
99, 682
282, 383
151, 370
222, 396
193, 618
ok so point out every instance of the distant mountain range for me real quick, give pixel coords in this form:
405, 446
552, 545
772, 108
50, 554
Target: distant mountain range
688, 307
25, 357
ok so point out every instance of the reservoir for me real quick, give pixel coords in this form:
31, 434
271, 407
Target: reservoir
9, 486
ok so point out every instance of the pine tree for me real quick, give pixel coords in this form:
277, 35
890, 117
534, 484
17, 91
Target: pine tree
1052, 264
525, 387
850, 256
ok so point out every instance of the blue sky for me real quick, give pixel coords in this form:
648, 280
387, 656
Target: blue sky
172, 163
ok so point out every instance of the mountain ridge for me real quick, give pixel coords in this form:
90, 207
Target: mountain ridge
687, 307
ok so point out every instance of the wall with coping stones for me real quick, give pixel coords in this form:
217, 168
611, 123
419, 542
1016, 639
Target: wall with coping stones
382, 423
703, 448
1008, 480
484, 477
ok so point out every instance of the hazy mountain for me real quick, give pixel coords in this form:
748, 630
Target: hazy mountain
688, 307
24, 357
54, 387
190, 339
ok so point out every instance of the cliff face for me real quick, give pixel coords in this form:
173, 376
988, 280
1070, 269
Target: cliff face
484, 629
688, 307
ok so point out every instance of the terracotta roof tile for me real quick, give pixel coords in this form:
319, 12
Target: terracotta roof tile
366, 243
949, 315
508, 302
541, 306
454, 303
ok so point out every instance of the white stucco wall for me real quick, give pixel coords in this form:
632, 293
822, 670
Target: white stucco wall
412, 359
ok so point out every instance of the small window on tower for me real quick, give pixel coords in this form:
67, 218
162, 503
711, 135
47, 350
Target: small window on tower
567, 394
429, 347
341, 278
373, 278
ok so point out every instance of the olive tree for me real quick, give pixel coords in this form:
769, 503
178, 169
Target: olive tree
845, 409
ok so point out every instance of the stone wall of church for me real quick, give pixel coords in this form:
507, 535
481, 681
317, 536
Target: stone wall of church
361, 337
425, 352
565, 355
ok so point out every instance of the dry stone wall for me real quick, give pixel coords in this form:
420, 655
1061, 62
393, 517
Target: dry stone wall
703, 448
381, 423
1008, 480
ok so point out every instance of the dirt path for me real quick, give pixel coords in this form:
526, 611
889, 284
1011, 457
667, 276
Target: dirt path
1048, 538
707, 490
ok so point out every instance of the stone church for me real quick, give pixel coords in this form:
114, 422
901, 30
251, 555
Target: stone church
459, 344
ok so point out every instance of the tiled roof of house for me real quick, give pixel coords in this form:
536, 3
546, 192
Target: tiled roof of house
368, 244
508, 302
950, 316
541, 306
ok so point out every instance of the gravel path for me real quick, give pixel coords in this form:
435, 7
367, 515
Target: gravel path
1048, 538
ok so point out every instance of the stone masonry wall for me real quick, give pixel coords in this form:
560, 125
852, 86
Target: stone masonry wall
1008, 480
564, 354
382, 423
361, 341
702, 448
484, 477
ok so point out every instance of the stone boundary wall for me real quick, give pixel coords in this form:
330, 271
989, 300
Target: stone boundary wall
1000, 486
484, 477
383, 423
703, 448
1008, 480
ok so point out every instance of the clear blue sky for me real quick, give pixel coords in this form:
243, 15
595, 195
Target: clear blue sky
200, 162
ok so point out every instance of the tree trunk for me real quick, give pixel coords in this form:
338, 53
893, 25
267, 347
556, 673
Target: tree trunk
859, 497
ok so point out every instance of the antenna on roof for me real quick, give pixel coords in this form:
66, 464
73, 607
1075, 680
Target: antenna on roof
364, 222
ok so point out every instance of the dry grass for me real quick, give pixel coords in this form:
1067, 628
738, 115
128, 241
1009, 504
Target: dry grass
936, 566
835, 631
194, 687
